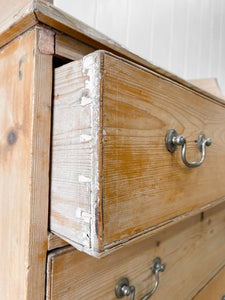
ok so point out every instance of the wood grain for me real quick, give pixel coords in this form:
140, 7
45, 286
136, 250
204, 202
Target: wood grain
215, 289
193, 252
70, 48
75, 188
39, 177
15, 18
143, 185
55, 242
24, 149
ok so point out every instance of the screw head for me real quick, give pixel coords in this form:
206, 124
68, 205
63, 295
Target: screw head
208, 142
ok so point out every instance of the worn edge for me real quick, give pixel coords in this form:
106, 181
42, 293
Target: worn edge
91, 66
147, 233
23, 20
49, 267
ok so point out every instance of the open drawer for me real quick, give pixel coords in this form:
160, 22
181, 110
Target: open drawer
113, 178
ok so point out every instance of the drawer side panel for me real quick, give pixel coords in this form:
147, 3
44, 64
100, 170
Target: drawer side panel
76, 153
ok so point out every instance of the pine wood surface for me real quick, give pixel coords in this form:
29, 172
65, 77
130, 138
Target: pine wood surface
24, 164
193, 252
215, 289
15, 18
55, 242
112, 176
70, 48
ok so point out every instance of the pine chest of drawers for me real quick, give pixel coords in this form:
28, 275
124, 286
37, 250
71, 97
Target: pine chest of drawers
111, 154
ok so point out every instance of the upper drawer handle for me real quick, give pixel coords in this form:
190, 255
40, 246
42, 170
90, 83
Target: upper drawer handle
173, 140
124, 289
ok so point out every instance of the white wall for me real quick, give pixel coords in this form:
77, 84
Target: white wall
186, 37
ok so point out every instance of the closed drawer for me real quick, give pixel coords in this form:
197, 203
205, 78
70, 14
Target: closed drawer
192, 251
215, 289
113, 178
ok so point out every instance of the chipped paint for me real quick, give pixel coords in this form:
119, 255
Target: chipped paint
91, 68
85, 138
84, 179
85, 101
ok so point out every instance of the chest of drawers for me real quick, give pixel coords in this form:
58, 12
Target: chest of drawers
84, 155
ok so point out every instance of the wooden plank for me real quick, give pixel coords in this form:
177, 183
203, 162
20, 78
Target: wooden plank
79, 138
18, 28
39, 177
192, 251
139, 174
70, 48
55, 242
15, 18
54, 17
25, 122
12, 11
210, 85
110, 163
215, 289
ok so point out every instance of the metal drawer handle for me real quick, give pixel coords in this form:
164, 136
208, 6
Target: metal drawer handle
173, 140
124, 289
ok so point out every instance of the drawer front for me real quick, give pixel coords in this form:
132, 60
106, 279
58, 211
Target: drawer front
192, 251
215, 289
112, 175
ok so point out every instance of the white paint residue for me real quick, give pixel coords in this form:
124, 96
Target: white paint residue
84, 179
104, 132
85, 138
85, 101
91, 68
86, 216
78, 212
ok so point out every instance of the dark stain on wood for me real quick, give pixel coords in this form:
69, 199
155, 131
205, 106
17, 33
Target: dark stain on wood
12, 137
97, 218
23, 58
202, 217
158, 243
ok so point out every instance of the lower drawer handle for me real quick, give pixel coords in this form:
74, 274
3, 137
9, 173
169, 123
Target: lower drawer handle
124, 289
173, 140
